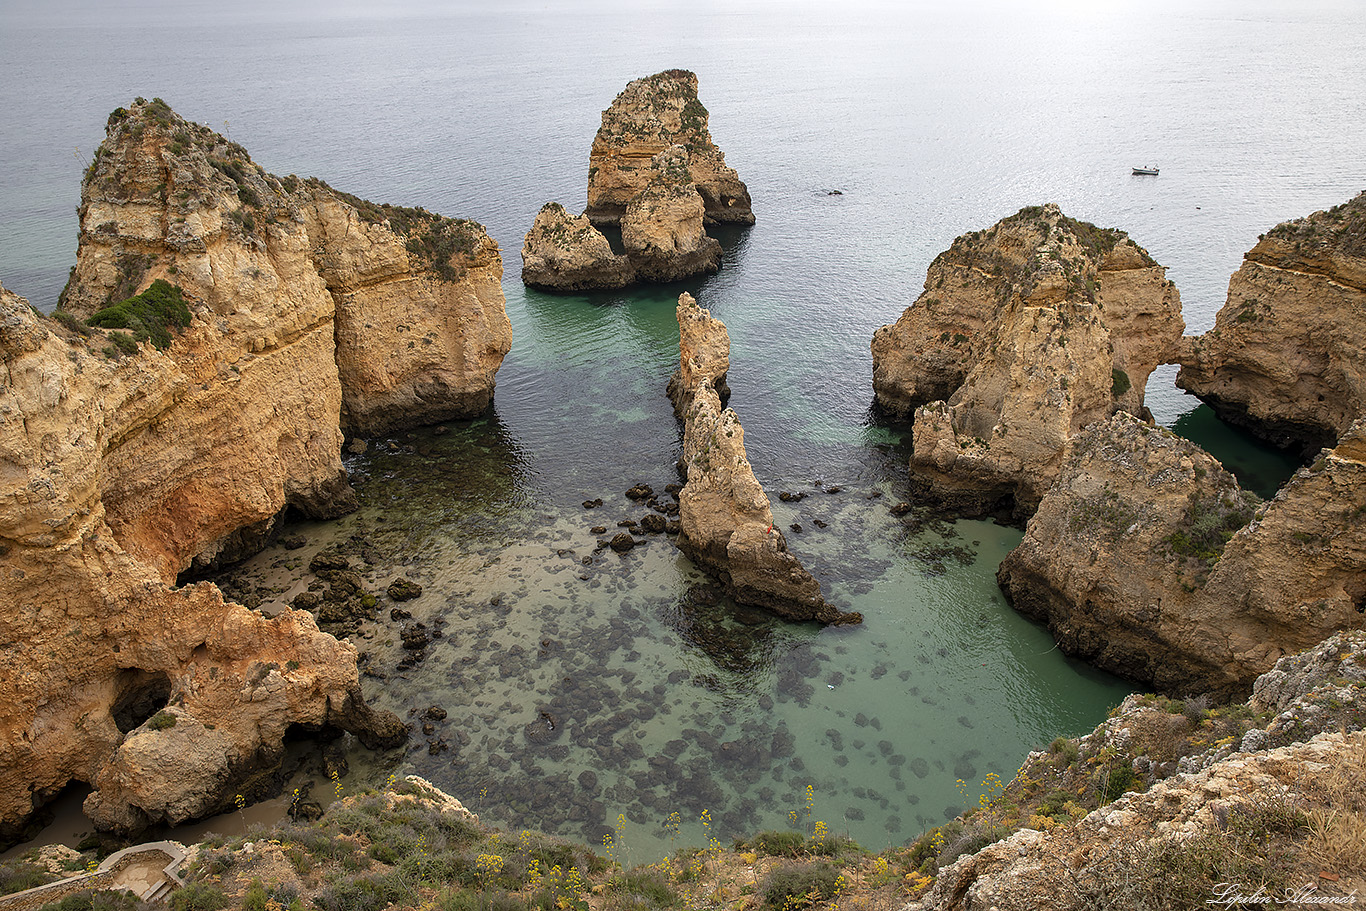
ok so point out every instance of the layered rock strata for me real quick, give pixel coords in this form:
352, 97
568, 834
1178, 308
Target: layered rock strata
703, 355
1307, 762
1146, 559
124, 464
1024, 334
727, 525
662, 228
1287, 354
649, 116
412, 302
563, 253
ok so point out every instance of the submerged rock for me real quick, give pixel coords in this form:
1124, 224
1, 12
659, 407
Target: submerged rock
1285, 357
1025, 333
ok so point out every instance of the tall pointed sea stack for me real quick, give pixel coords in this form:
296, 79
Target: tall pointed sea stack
650, 115
1024, 334
727, 523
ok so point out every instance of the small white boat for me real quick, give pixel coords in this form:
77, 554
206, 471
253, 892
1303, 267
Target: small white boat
1151, 172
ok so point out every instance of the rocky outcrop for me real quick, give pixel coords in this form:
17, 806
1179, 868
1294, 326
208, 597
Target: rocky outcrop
1287, 354
562, 253
662, 228
703, 355
276, 309
1238, 807
649, 116
1024, 334
406, 304
727, 525
1146, 559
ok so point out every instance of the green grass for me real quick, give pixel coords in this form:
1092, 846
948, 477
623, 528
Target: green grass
151, 315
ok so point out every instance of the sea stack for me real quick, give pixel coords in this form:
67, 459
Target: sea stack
655, 173
1287, 355
1025, 333
221, 330
727, 525
650, 115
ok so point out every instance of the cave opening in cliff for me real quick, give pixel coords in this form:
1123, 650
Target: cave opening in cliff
140, 695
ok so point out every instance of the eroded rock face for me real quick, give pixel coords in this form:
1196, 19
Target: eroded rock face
562, 253
727, 525
650, 115
1025, 333
703, 355
123, 465
1287, 354
662, 228
95, 632
409, 303
1148, 560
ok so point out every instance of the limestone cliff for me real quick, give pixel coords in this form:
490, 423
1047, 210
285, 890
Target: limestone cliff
409, 302
650, 115
1146, 559
274, 309
561, 253
662, 228
727, 525
1287, 354
95, 633
1024, 334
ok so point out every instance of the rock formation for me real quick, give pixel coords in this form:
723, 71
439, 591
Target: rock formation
411, 301
1302, 756
703, 355
1024, 334
650, 115
124, 464
1287, 354
561, 253
727, 525
1146, 559
662, 228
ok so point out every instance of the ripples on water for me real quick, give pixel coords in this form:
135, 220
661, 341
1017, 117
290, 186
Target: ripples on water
931, 119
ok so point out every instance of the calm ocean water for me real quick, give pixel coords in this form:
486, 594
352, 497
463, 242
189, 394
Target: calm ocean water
931, 119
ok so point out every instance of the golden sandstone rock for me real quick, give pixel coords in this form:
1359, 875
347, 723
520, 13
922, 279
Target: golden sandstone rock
122, 466
727, 525
1025, 333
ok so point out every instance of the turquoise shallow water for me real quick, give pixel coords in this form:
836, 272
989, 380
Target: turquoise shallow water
932, 119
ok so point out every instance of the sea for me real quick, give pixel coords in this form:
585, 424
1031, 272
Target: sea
593, 694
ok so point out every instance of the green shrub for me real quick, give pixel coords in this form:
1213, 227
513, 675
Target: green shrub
198, 897
17, 876
161, 721
150, 314
366, 893
72, 322
641, 888
1119, 382
779, 844
1115, 782
797, 885
100, 900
